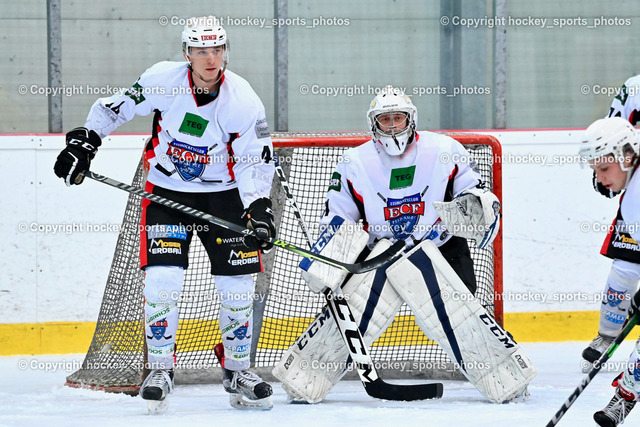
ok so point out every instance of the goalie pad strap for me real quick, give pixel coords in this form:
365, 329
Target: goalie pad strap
448, 314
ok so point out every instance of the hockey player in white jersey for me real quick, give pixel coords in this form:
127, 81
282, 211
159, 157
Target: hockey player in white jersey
612, 148
210, 149
623, 279
422, 188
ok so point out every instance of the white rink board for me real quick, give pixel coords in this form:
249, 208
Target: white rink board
59, 240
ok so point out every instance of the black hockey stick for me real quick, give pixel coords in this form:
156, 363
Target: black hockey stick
346, 323
597, 365
357, 268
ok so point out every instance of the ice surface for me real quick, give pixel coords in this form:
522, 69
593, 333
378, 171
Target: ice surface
32, 396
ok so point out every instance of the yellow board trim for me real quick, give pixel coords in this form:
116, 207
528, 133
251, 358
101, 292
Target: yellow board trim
75, 337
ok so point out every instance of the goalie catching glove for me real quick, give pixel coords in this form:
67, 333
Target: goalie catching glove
259, 218
82, 146
473, 214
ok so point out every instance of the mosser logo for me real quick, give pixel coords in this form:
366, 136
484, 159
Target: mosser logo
243, 258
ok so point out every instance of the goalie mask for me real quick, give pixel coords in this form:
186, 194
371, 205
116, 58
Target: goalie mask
614, 136
392, 119
205, 31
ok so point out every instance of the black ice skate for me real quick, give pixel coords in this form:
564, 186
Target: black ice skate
155, 389
595, 350
246, 389
615, 412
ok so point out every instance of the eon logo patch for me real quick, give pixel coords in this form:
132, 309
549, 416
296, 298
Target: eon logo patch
193, 125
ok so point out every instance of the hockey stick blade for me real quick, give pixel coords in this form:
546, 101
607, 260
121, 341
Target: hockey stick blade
373, 384
387, 256
405, 392
597, 365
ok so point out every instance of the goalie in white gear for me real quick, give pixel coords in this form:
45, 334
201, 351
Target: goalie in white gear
611, 147
422, 188
210, 149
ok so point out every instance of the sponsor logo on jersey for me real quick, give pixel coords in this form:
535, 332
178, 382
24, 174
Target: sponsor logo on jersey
158, 247
243, 258
189, 160
193, 125
403, 215
336, 182
168, 232
262, 129
402, 177
615, 297
136, 92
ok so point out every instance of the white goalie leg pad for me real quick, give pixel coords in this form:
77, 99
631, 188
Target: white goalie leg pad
318, 359
450, 315
342, 241
473, 214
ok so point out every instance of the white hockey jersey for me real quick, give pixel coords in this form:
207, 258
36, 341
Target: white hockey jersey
622, 241
626, 103
394, 195
217, 146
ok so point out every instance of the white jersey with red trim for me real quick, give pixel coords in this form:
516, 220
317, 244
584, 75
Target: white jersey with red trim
624, 235
626, 103
220, 145
394, 195
630, 207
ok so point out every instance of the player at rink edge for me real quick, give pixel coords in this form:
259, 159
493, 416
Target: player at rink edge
215, 113
400, 167
612, 147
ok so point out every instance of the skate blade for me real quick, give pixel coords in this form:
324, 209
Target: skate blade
157, 406
239, 402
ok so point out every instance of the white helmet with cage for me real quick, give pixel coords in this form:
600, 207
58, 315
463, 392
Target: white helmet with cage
392, 119
615, 136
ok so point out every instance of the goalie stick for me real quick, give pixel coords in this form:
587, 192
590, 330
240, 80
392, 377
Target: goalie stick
356, 268
348, 328
597, 365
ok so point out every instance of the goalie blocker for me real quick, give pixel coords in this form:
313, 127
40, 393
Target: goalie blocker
445, 311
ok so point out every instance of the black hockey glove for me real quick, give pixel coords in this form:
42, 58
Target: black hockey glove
82, 145
602, 189
259, 218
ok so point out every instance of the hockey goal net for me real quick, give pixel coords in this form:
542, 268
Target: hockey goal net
284, 306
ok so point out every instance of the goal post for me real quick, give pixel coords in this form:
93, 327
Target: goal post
284, 306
